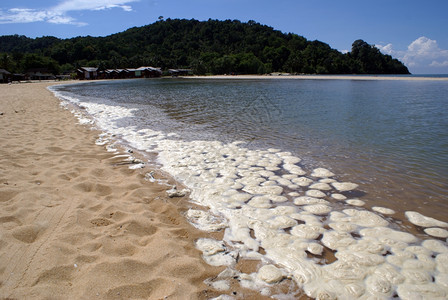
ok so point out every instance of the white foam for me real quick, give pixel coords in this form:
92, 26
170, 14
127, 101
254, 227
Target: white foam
344, 186
214, 252
383, 210
322, 173
315, 193
336, 239
317, 209
421, 291
205, 220
307, 232
270, 274
320, 186
437, 232
338, 196
302, 181
365, 218
355, 202
383, 233
418, 219
435, 246
305, 200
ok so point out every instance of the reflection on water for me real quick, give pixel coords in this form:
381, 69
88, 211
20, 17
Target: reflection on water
391, 137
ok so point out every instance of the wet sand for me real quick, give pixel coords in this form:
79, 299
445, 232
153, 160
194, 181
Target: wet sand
77, 223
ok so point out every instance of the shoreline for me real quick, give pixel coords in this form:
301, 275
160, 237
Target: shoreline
89, 186
323, 77
230, 199
77, 222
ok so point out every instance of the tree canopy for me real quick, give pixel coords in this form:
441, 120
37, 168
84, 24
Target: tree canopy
207, 47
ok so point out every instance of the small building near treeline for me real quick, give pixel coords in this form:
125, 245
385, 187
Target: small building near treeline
142, 72
150, 72
87, 73
180, 72
39, 74
5, 76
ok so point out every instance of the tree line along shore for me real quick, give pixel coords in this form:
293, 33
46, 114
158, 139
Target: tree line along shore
210, 47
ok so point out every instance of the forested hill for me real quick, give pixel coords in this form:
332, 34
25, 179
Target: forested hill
209, 47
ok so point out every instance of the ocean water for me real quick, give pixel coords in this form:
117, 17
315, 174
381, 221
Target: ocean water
252, 151
389, 136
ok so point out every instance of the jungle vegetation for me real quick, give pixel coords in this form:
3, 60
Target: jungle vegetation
206, 47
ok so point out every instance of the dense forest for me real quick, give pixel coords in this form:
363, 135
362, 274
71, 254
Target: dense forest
209, 47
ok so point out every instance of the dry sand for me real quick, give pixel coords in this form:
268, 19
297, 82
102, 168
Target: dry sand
76, 223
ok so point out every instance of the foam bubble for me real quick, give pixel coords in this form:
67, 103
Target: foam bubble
390, 273
302, 181
304, 200
314, 248
437, 232
368, 244
423, 221
435, 245
422, 291
337, 240
281, 222
256, 189
270, 274
383, 210
214, 252
355, 202
344, 186
327, 180
315, 193
338, 196
309, 232
293, 169
317, 209
383, 233
204, 220
442, 262
343, 227
322, 173
363, 258
320, 186
260, 202
379, 286
365, 218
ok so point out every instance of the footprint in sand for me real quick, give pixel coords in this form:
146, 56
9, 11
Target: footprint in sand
100, 222
27, 233
7, 194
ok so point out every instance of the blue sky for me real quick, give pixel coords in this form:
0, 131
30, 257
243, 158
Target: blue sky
414, 31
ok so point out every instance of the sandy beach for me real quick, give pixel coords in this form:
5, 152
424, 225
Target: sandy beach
77, 223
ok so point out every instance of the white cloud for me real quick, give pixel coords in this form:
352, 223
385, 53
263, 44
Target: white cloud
72, 5
59, 13
439, 64
421, 53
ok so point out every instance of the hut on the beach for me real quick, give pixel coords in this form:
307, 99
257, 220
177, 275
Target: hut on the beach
87, 73
149, 72
180, 72
5, 76
39, 74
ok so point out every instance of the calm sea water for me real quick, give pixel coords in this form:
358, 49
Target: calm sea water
390, 137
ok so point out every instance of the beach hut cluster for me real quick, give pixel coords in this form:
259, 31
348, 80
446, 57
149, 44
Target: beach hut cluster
30, 74
89, 73
95, 73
